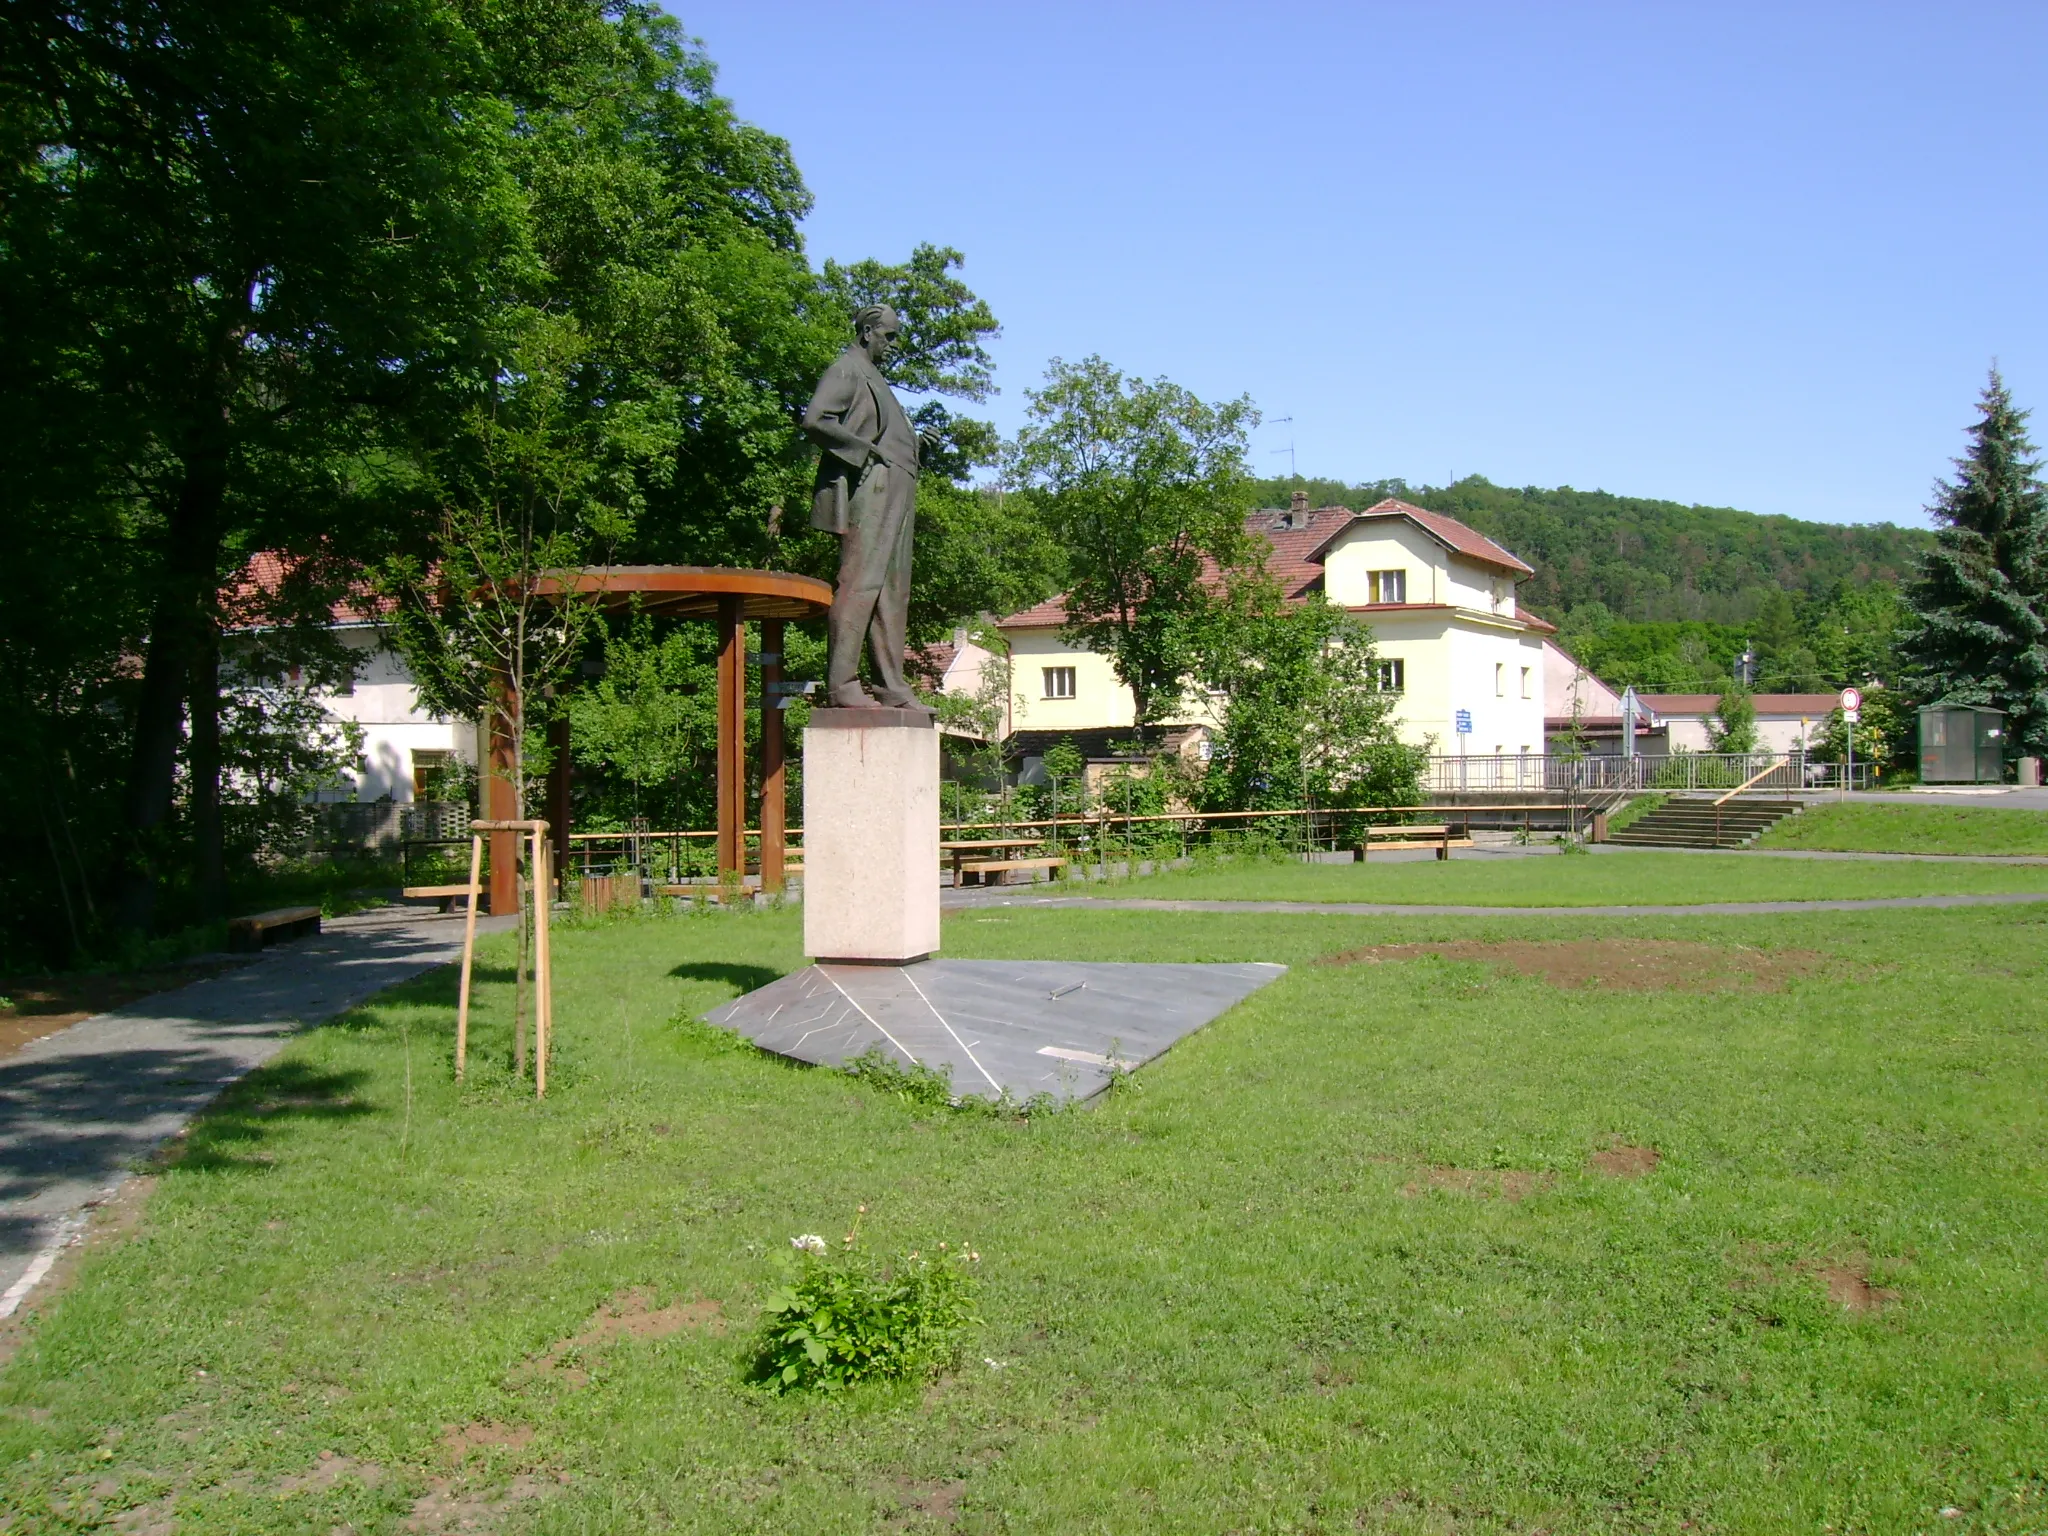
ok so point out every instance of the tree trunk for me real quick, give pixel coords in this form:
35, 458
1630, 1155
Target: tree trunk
184, 598
203, 708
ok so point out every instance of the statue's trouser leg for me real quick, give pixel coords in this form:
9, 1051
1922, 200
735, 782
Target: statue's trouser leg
890, 626
864, 552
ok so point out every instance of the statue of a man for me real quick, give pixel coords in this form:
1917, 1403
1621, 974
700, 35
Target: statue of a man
867, 494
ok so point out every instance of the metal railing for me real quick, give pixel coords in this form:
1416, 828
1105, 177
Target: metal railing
676, 858
1550, 772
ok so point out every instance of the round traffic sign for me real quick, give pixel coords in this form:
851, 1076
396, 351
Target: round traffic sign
1852, 698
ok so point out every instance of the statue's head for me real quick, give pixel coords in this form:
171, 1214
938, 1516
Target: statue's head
876, 328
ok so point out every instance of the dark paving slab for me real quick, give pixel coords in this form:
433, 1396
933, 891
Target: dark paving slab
1022, 1026
81, 1108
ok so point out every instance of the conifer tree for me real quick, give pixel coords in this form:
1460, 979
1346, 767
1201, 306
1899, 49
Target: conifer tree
1979, 633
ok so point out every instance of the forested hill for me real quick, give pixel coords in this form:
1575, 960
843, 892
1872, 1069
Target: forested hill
1645, 559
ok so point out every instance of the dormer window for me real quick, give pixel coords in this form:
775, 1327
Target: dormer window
1388, 586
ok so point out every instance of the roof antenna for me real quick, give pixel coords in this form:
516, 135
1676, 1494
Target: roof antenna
1287, 421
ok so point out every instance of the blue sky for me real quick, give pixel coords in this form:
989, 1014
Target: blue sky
1753, 256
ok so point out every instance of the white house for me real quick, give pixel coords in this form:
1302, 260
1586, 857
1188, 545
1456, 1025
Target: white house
404, 747
1785, 722
1440, 598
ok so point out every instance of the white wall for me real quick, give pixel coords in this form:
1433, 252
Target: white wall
385, 703
1386, 544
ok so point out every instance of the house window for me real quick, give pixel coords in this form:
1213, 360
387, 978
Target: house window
1393, 675
429, 773
1059, 682
1525, 682
1500, 679
1389, 586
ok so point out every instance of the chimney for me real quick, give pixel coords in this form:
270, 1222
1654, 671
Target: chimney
1298, 503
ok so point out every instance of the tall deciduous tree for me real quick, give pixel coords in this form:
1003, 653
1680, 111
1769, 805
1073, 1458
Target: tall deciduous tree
243, 224
1979, 633
1145, 487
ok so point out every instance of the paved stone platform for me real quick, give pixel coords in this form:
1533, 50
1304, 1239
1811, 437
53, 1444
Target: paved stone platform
1024, 1027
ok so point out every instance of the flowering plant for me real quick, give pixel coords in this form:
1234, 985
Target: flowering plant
842, 1319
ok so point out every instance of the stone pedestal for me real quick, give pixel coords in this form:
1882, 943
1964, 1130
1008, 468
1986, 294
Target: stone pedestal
871, 835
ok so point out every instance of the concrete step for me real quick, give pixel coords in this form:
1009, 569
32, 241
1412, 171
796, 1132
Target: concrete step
1698, 823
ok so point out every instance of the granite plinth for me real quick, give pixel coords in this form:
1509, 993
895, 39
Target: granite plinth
871, 835
1022, 1027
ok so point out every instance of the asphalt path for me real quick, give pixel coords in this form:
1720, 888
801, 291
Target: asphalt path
80, 1110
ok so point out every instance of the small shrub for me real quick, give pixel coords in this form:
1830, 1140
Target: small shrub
842, 1320
916, 1083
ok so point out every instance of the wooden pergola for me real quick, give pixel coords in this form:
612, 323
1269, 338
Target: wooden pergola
733, 598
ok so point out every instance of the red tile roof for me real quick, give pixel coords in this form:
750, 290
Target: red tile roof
1297, 542
1447, 531
245, 603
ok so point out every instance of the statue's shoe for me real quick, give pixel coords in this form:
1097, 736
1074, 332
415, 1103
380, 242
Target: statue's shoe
905, 700
852, 696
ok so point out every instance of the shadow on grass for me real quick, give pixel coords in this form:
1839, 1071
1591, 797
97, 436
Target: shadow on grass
741, 978
231, 1136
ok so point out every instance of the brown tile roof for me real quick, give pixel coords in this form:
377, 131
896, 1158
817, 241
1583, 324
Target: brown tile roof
1447, 531
1766, 703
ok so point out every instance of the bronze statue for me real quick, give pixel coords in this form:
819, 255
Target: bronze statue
867, 494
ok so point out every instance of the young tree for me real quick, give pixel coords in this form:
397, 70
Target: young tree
1733, 725
1144, 486
1979, 631
1307, 722
530, 492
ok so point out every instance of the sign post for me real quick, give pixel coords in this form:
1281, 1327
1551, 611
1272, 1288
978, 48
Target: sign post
1852, 705
1462, 721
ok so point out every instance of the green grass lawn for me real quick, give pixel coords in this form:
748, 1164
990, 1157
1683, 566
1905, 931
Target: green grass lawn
1594, 880
1861, 826
1341, 1264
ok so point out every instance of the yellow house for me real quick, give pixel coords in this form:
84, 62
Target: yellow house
1439, 597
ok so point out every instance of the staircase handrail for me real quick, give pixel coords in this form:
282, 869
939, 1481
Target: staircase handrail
1770, 766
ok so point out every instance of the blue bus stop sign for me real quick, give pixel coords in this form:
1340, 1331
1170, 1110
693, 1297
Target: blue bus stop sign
1464, 722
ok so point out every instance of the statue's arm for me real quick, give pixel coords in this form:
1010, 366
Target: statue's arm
825, 418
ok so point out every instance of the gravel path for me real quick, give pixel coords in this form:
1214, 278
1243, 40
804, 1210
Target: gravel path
80, 1109
997, 898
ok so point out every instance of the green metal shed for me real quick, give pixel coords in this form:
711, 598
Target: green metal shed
1962, 744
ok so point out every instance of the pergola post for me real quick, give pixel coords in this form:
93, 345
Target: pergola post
732, 738
501, 796
772, 811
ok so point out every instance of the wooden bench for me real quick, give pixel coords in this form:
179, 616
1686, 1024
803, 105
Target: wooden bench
1412, 836
1001, 868
443, 894
997, 847
261, 929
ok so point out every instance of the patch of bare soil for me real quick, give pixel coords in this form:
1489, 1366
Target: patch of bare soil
458, 1440
444, 1510
42, 1005
107, 1222
631, 1314
159, 1517
1615, 965
1847, 1277
1504, 1183
330, 1469
1849, 1285
1622, 1161
937, 1501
